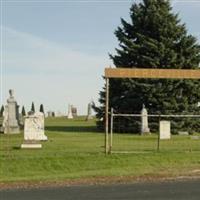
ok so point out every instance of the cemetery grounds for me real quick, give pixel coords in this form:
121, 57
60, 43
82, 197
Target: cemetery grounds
75, 152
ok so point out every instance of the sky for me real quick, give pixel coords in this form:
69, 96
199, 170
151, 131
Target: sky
54, 52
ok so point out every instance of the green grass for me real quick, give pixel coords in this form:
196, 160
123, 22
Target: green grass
75, 150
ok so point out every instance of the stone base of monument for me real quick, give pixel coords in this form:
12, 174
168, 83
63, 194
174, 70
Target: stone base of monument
11, 130
88, 118
145, 131
30, 144
70, 116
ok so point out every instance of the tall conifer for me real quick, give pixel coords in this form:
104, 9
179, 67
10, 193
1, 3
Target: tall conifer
42, 108
23, 111
154, 37
33, 107
1, 111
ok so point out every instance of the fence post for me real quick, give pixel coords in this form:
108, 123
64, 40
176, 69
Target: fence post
106, 117
111, 131
158, 143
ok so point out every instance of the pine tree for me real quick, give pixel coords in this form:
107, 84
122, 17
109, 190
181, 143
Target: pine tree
23, 111
42, 108
33, 107
1, 111
154, 38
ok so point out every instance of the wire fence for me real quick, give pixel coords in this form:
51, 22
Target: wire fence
82, 136
128, 142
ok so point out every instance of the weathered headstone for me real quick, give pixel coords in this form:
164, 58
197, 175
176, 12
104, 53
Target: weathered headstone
144, 121
165, 130
34, 130
5, 119
74, 111
194, 137
11, 116
34, 127
50, 114
183, 133
59, 114
89, 112
70, 116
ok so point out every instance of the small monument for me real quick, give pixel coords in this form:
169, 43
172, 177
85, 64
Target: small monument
50, 114
34, 130
74, 111
89, 112
144, 121
11, 116
183, 133
165, 130
59, 114
70, 116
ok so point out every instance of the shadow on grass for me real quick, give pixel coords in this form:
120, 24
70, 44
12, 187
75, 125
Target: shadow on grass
16, 147
72, 128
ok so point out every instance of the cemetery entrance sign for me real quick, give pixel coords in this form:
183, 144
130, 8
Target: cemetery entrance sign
141, 73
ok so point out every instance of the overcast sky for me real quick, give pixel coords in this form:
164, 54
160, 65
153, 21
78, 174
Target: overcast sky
55, 52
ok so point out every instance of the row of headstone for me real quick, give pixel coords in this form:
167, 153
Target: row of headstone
33, 126
72, 112
164, 126
51, 114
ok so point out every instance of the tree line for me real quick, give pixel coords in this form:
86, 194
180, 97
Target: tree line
23, 111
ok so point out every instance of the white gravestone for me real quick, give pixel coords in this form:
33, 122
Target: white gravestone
50, 114
165, 130
74, 111
34, 127
144, 121
34, 130
11, 115
70, 116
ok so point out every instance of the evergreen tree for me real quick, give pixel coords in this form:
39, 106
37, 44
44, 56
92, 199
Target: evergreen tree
23, 111
1, 111
42, 108
33, 107
154, 38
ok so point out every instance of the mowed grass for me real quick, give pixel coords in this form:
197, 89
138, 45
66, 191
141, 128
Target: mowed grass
75, 150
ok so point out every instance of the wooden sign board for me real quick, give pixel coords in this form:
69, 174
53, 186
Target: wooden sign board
152, 73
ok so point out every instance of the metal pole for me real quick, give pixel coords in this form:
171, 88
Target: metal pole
106, 116
158, 144
111, 131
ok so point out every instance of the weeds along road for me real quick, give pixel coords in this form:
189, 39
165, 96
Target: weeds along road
173, 190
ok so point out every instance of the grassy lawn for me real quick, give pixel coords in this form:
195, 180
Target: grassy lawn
75, 150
